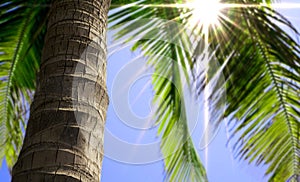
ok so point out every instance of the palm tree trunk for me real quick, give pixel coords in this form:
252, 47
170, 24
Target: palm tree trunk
64, 136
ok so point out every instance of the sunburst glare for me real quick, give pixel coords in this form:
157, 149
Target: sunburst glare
205, 13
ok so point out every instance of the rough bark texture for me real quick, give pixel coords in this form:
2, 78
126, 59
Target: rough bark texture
64, 136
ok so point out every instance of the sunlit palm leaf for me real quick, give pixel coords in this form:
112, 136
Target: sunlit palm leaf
263, 83
167, 48
21, 38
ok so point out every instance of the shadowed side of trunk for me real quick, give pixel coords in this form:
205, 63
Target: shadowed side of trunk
64, 136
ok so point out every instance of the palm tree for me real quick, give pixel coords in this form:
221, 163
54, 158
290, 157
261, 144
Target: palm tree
61, 142
262, 104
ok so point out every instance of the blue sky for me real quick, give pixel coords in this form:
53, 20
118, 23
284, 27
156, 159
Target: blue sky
221, 165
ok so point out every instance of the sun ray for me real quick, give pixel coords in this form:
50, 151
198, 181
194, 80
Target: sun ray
205, 15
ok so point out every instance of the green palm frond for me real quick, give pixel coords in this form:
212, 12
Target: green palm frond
263, 83
167, 48
21, 38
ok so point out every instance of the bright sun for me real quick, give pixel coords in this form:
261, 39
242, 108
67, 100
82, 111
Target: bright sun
205, 12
